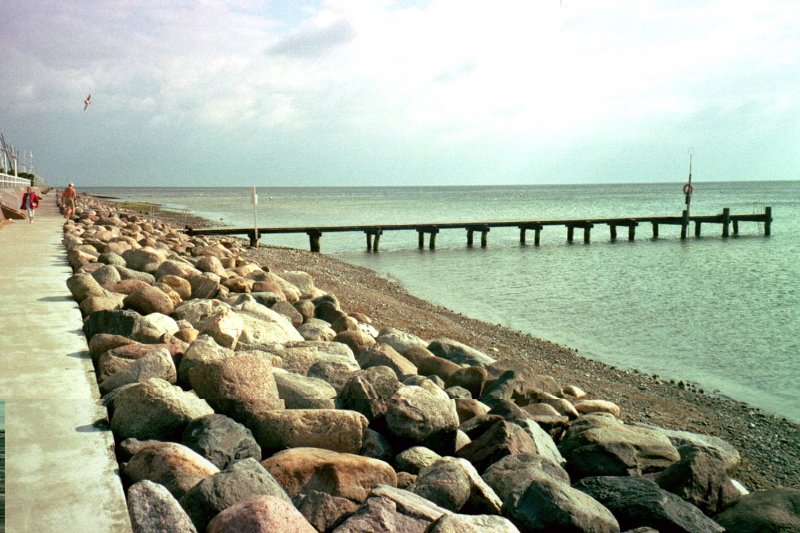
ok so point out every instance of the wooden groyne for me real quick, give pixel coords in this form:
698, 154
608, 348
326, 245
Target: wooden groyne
373, 232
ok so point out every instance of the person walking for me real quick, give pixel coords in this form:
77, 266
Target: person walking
30, 201
68, 198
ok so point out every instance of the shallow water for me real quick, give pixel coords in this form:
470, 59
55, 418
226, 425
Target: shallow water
724, 313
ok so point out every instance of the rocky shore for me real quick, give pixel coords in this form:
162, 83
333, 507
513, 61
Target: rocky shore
274, 389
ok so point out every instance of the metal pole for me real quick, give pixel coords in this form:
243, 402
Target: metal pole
688, 189
255, 221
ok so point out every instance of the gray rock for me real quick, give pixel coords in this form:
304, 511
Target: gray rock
155, 409
400, 340
316, 330
149, 300
700, 479
458, 393
153, 509
288, 310
730, 455
599, 444
322, 510
549, 505
195, 311
511, 475
459, 353
243, 480
502, 439
415, 459
203, 348
300, 356
83, 285
106, 274
262, 325
637, 502
301, 392
124, 323
129, 273
384, 355
156, 364
461, 523
368, 391
455, 485
203, 287
388, 510
375, 446
221, 440
768, 510
415, 416
335, 374
471, 378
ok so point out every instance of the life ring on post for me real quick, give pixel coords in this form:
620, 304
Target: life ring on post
688, 189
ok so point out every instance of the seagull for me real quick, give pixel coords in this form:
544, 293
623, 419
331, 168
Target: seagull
87, 102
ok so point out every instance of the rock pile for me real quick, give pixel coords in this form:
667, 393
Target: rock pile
244, 399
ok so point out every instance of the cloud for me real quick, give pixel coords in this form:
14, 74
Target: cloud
314, 42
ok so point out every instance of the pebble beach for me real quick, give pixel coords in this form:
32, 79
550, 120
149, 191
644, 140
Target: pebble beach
347, 404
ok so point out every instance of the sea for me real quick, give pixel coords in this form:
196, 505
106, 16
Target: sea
723, 314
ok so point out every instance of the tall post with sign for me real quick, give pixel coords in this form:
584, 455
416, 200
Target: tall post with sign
255, 237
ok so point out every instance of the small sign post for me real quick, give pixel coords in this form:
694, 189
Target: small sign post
255, 219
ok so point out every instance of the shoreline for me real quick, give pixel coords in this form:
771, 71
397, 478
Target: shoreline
769, 444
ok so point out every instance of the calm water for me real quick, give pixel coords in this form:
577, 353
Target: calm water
722, 313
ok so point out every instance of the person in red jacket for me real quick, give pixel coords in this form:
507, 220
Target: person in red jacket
30, 201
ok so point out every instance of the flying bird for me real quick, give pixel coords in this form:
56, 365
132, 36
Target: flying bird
87, 102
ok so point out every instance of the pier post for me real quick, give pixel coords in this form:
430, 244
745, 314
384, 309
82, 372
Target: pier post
253, 235
522, 235
726, 220
655, 230
767, 220
536, 235
421, 235
469, 238
613, 229
684, 224
432, 242
313, 240
369, 241
587, 230
632, 231
377, 240
570, 233
484, 234
735, 226
697, 230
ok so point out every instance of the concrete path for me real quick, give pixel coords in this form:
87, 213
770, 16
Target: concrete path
61, 474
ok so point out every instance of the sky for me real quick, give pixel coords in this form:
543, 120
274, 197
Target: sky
390, 93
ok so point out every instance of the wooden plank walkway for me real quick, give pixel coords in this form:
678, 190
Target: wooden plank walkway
374, 231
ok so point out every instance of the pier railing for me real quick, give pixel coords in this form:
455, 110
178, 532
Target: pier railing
373, 232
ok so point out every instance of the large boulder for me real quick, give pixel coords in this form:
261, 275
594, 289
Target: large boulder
300, 356
154, 409
458, 352
510, 476
415, 416
125, 323
730, 455
639, 502
300, 470
322, 510
518, 383
415, 459
221, 440
455, 485
203, 348
601, 445
145, 259
177, 269
157, 363
767, 510
195, 311
550, 505
239, 386
700, 479
331, 429
152, 508
301, 392
149, 300
172, 465
225, 326
241, 481
83, 285
368, 391
262, 325
400, 340
261, 513
384, 355
502, 439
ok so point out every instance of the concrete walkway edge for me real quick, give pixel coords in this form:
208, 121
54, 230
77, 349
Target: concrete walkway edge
61, 473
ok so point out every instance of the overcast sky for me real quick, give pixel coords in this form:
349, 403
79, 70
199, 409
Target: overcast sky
424, 92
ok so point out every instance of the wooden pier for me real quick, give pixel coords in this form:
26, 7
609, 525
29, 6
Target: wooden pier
373, 232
